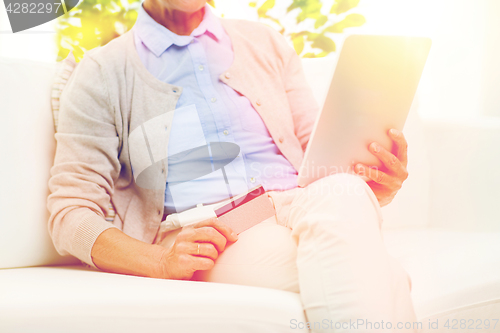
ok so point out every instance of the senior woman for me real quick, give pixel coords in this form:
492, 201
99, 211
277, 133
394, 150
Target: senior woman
182, 78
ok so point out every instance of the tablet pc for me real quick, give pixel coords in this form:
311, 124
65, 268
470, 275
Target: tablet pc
371, 91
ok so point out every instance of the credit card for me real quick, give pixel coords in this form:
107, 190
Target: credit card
248, 214
240, 200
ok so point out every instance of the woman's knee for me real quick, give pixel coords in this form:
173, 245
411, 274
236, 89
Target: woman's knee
337, 197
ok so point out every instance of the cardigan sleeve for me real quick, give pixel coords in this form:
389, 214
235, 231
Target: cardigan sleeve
302, 102
86, 163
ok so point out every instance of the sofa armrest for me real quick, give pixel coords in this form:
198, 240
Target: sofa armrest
465, 173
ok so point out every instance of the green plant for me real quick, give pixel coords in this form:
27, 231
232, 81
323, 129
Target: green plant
96, 22
311, 35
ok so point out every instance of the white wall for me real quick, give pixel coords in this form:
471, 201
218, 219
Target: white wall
491, 60
458, 72
37, 43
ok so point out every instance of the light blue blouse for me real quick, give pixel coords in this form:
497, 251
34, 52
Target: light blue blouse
208, 111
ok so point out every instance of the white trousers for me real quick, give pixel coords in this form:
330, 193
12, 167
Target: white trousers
325, 242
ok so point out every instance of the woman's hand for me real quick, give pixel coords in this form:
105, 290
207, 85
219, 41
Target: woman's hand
386, 183
195, 248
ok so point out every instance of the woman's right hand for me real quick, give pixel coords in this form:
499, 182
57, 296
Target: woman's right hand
182, 259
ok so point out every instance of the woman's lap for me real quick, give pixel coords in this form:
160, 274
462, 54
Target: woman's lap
341, 258
264, 256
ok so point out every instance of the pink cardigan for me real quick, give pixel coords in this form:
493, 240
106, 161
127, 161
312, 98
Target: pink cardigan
111, 95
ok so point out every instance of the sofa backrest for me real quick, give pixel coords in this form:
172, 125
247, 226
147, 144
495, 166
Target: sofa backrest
27, 148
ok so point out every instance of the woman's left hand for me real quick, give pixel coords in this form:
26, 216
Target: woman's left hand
387, 181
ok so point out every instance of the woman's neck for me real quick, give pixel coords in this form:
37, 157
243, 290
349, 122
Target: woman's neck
179, 22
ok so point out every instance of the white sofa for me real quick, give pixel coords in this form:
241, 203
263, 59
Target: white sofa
444, 227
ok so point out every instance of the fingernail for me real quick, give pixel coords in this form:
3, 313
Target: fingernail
235, 235
360, 167
394, 132
376, 148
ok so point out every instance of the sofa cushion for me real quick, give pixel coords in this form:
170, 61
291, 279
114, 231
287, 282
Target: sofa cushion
27, 148
465, 178
76, 299
455, 275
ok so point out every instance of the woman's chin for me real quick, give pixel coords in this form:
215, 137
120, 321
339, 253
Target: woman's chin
187, 6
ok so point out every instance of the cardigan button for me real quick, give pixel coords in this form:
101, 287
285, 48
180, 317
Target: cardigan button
227, 75
258, 103
281, 139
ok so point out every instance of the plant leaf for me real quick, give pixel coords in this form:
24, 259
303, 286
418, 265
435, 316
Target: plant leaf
309, 55
265, 7
351, 20
320, 21
342, 6
324, 43
311, 36
298, 43
296, 4
310, 9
